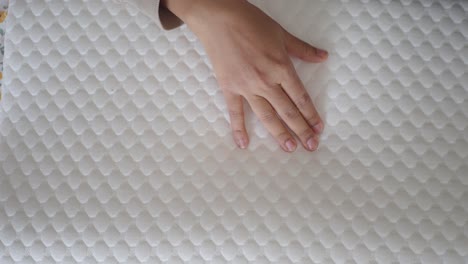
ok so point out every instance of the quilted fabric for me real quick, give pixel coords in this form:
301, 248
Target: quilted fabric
115, 144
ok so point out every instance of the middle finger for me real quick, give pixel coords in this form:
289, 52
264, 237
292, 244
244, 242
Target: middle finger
292, 116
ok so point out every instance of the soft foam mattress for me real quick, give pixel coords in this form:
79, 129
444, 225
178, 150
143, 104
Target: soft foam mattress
115, 144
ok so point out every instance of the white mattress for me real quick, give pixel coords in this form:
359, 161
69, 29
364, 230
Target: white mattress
115, 144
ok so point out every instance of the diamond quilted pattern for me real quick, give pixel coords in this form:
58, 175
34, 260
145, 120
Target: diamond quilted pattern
115, 145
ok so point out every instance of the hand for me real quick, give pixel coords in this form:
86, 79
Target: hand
250, 55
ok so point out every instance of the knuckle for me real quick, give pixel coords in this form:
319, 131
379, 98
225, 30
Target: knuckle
268, 116
263, 77
236, 115
274, 92
280, 64
278, 58
238, 131
283, 68
292, 113
231, 86
303, 100
265, 90
308, 50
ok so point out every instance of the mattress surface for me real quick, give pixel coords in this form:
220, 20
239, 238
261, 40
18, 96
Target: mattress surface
115, 145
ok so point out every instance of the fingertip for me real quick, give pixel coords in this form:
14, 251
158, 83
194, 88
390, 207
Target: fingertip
312, 144
322, 54
315, 56
243, 144
290, 145
242, 141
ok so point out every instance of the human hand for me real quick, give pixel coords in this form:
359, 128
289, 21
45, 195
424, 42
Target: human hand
250, 55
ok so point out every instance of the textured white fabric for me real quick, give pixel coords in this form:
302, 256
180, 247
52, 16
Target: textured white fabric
115, 145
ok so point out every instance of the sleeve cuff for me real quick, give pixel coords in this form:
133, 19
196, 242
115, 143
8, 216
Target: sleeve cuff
151, 8
167, 19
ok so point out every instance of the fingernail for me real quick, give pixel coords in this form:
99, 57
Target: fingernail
312, 143
242, 143
318, 128
290, 146
322, 53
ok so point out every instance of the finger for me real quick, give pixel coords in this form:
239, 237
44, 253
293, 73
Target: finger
272, 123
295, 89
292, 116
236, 114
303, 50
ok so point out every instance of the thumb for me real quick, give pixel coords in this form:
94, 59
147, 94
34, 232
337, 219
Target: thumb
303, 50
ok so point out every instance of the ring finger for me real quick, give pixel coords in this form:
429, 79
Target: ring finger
272, 122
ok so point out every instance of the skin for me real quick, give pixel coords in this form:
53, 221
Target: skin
250, 56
